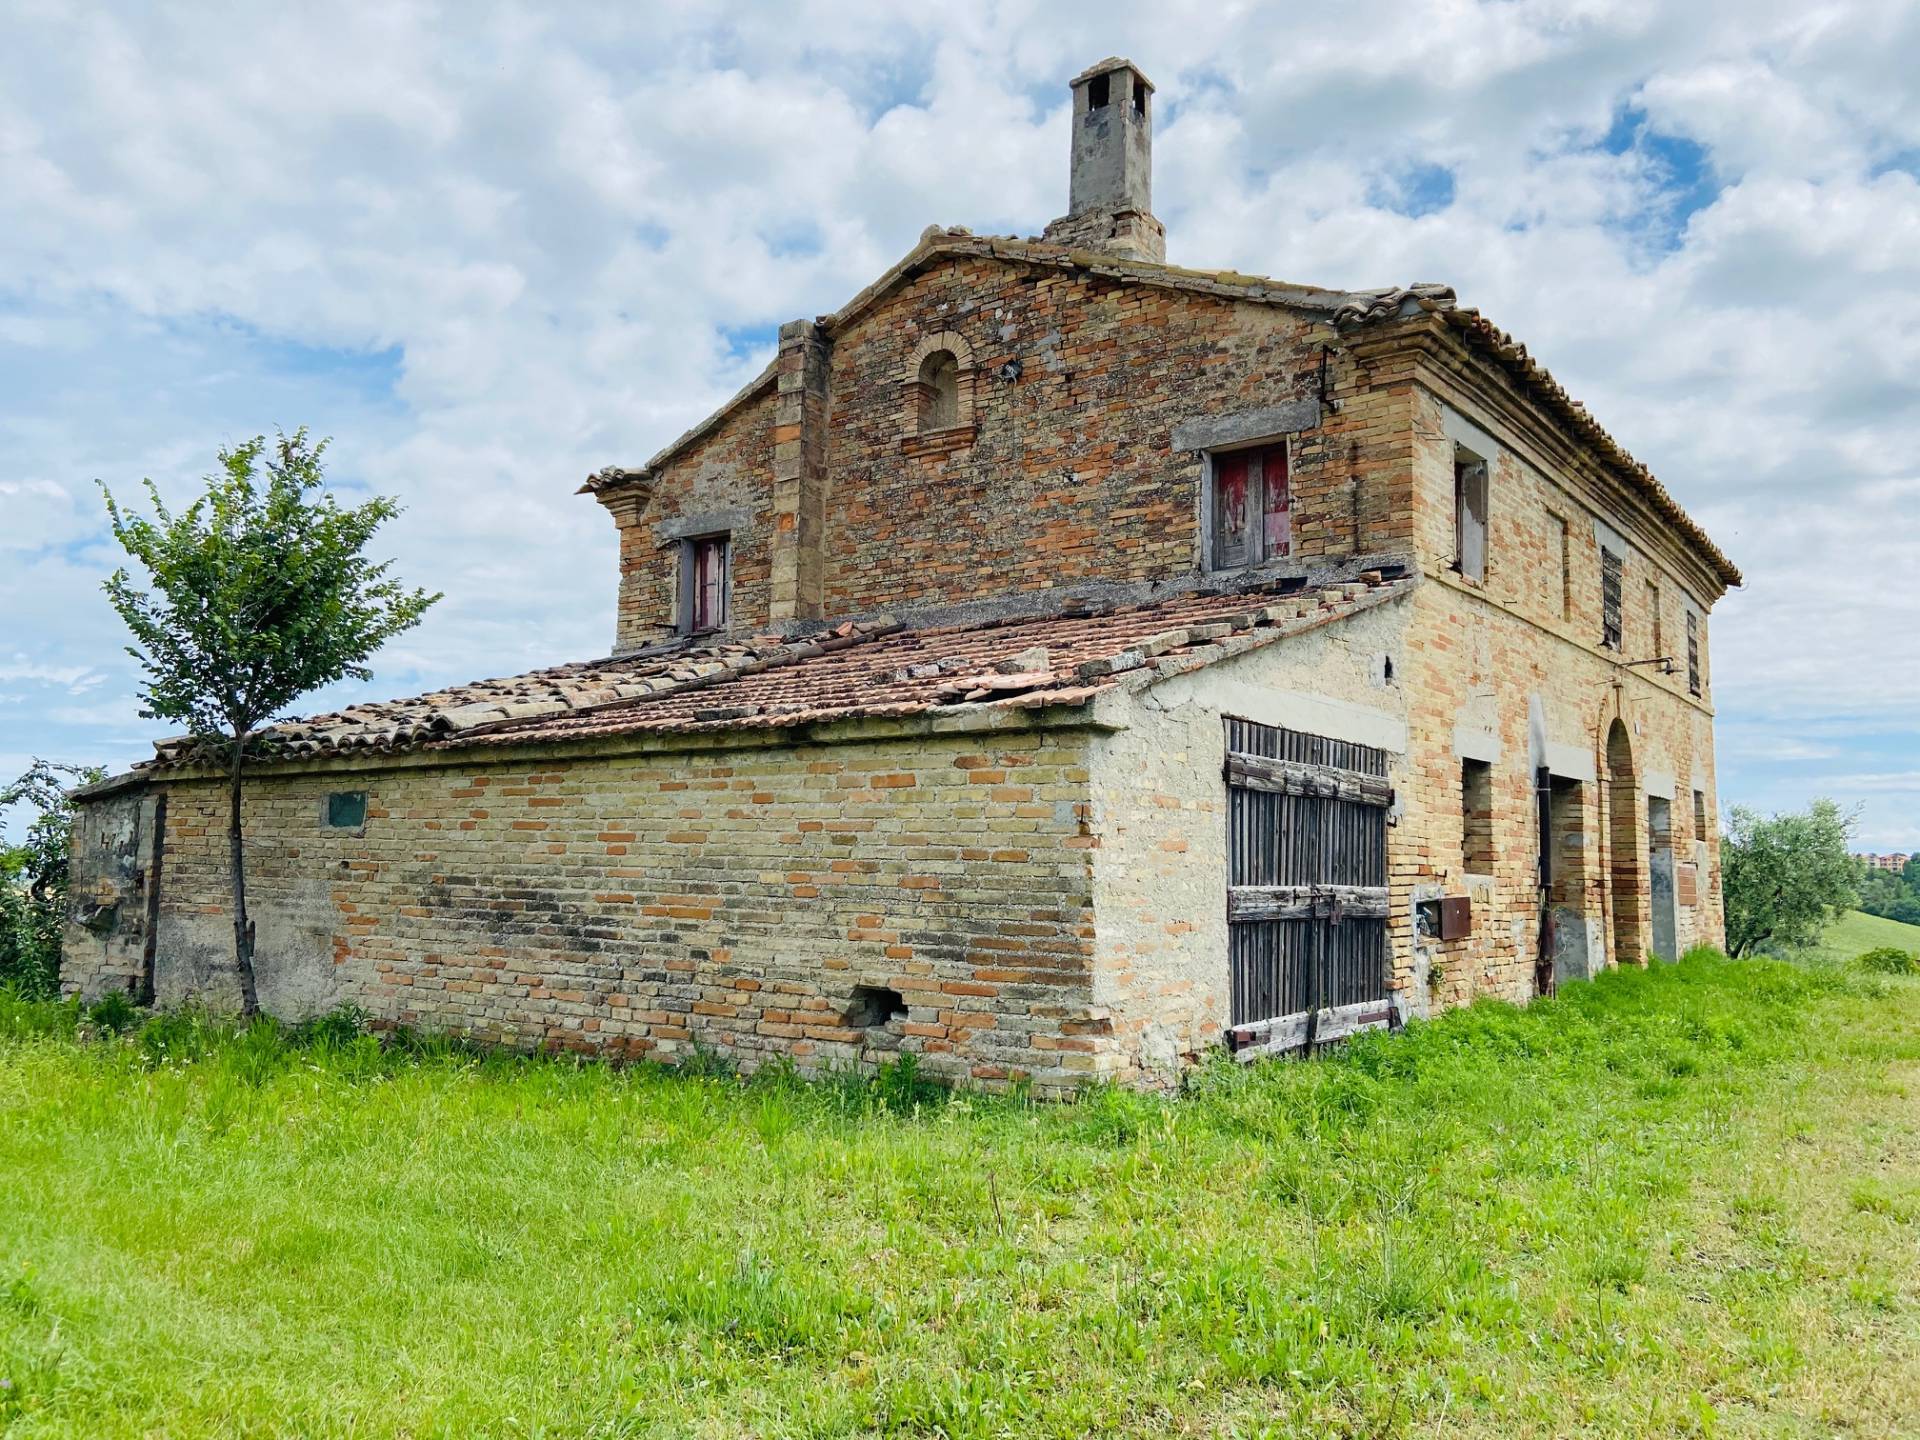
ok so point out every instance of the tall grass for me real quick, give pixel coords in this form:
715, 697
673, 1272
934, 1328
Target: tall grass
1634, 1208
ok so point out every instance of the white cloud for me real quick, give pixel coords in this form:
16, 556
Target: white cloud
491, 249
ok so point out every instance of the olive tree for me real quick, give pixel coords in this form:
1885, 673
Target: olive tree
1785, 876
260, 593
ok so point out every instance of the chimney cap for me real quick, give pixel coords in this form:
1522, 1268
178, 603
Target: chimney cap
1107, 67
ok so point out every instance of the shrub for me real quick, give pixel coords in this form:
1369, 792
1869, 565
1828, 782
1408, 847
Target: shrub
114, 1012
33, 878
1889, 960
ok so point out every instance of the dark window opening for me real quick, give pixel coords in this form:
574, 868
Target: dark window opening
1476, 816
1560, 539
1609, 599
939, 391
1252, 514
1139, 97
1693, 653
1387, 670
1098, 91
1470, 515
875, 1005
704, 584
346, 809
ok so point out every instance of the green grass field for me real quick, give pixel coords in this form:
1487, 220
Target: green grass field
1684, 1201
1854, 932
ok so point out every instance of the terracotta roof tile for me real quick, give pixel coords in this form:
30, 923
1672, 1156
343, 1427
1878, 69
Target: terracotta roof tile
873, 668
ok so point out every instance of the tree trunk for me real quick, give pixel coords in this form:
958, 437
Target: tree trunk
242, 927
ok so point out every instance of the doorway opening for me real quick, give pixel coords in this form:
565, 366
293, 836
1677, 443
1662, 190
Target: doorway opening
1627, 875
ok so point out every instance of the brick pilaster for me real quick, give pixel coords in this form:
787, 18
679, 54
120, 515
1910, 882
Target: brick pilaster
799, 473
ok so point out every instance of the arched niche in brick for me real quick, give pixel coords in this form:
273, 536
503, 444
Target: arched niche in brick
937, 389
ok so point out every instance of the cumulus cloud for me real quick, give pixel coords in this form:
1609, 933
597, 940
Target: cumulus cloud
491, 248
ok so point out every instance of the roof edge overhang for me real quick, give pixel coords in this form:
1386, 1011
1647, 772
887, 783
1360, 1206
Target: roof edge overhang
1427, 323
977, 719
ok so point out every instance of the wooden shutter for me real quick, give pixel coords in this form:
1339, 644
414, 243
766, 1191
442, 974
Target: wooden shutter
1276, 515
1609, 599
1235, 485
1470, 516
1307, 887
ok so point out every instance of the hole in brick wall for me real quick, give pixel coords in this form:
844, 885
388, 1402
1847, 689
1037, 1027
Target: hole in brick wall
875, 1005
1097, 91
1387, 674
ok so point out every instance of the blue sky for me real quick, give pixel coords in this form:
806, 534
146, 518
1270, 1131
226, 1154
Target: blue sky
491, 248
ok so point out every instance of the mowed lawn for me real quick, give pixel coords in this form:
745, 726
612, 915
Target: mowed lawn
1683, 1201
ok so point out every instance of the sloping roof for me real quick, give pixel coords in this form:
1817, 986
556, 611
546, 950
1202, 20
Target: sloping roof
1345, 309
870, 669
1483, 335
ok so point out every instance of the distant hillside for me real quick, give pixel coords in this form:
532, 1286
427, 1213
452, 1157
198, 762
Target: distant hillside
1854, 932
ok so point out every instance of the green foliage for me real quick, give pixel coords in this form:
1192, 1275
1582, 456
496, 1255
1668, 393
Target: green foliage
113, 1012
260, 591
33, 876
1891, 895
1888, 960
1565, 1219
1786, 876
260, 594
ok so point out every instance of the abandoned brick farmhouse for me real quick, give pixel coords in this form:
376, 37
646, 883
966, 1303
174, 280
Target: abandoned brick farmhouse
1056, 664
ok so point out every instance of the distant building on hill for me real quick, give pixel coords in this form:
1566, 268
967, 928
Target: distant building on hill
1895, 862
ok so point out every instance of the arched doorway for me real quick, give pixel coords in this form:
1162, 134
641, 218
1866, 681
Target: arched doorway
1627, 870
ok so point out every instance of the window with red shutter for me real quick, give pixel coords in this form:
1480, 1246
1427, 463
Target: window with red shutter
704, 586
1251, 515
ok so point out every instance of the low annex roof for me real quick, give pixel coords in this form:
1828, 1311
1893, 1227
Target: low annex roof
1344, 309
859, 669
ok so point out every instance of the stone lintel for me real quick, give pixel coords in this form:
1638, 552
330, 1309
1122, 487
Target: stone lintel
1245, 427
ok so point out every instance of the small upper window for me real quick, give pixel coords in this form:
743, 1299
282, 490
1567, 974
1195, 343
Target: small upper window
1099, 90
1252, 514
1470, 515
346, 809
704, 584
1693, 653
939, 391
1609, 599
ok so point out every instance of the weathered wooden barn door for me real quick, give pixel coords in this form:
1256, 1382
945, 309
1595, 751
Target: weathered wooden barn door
1307, 887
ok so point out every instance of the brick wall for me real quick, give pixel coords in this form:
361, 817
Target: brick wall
638, 905
1062, 475
1498, 672
723, 481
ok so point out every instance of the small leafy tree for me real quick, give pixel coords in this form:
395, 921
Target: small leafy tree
33, 876
1786, 875
260, 595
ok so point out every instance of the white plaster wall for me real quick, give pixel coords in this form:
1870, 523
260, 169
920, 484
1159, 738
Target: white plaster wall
1159, 797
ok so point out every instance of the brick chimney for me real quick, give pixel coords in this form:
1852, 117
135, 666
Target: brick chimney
1110, 191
